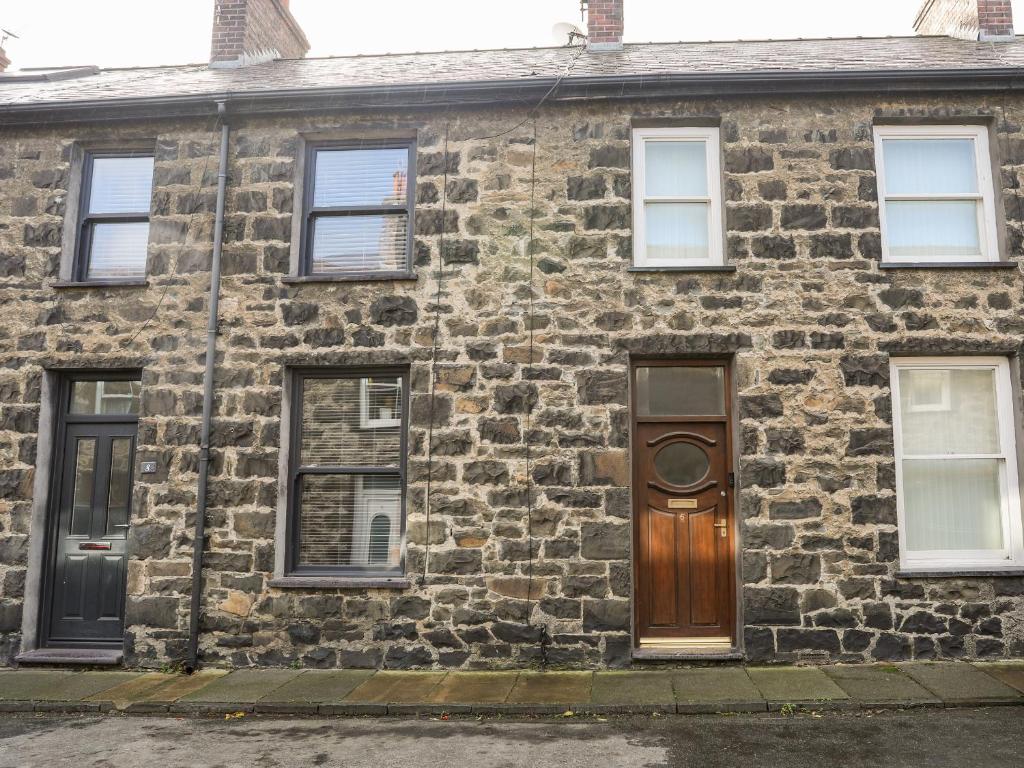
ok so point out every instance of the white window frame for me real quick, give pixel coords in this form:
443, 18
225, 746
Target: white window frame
1012, 556
988, 236
368, 420
710, 137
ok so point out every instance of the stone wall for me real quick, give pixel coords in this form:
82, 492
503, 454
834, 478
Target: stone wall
808, 314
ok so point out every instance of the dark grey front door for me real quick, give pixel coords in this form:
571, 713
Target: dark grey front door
91, 514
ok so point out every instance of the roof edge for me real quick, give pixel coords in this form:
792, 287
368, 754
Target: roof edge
473, 94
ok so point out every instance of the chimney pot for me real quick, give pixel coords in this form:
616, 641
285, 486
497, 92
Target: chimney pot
5, 62
989, 20
253, 31
604, 25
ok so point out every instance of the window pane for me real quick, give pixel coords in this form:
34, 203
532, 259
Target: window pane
118, 250
337, 518
353, 422
121, 185
354, 177
935, 228
930, 166
676, 169
105, 397
953, 504
85, 478
677, 232
354, 244
948, 411
119, 494
680, 391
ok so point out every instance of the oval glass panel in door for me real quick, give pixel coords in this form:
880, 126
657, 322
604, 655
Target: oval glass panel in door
681, 463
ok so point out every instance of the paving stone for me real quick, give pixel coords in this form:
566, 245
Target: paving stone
82, 685
245, 686
318, 686
726, 689
474, 688
632, 692
1012, 674
882, 685
136, 689
960, 683
396, 688
29, 685
561, 688
796, 685
181, 685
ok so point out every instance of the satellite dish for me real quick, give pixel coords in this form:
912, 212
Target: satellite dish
565, 33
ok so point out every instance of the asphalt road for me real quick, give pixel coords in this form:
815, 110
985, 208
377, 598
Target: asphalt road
932, 738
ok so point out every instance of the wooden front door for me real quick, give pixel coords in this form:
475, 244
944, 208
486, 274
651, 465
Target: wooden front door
91, 513
682, 474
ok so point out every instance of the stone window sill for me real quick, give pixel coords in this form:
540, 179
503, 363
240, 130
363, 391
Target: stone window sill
365, 277
948, 265
100, 284
961, 573
341, 582
715, 268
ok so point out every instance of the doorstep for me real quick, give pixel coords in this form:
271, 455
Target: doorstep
80, 657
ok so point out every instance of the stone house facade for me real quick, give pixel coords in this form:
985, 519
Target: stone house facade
498, 383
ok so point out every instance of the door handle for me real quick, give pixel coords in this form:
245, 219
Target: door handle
722, 527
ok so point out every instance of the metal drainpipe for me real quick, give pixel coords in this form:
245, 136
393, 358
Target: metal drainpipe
192, 663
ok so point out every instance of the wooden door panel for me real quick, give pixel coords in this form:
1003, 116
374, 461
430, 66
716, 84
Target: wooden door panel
703, 567
664, 547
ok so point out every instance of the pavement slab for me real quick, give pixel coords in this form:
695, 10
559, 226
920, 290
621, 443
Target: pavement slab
396, 688
632, 691
82, 685
1011, 673
29, 685
246, 686
474, 688
722, 689
880, 685
960, 683
318, 686
135, 689
562, 688
797, 685
183, 685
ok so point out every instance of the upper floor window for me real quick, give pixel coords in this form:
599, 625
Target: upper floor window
358, 209
958, 499
936, 197
677, 199
114, 220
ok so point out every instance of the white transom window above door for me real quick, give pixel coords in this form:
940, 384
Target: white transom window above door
958, 494
677, 198
935, 192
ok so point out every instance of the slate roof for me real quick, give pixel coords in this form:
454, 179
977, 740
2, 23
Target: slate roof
833, 55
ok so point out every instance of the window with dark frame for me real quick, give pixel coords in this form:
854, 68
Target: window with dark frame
347, 472
358, 202
113, 231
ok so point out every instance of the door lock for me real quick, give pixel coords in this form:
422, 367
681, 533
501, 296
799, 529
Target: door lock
723, 527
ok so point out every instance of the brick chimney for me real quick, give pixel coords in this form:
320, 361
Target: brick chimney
254, 31
604, 25
990, 20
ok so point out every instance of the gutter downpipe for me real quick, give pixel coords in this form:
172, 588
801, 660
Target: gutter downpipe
212, 329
